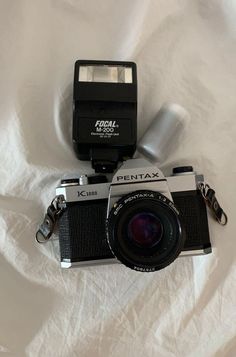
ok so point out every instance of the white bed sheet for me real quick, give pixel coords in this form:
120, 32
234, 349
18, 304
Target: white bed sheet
185, 52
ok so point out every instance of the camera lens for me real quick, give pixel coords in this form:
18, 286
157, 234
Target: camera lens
145, 229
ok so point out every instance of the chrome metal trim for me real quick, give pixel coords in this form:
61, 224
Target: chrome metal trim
185, 253
182, 183
90, 192
69, 184
68, 264
199, 178
83, 180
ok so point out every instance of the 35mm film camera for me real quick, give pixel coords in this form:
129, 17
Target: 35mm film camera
141, 217
134, 215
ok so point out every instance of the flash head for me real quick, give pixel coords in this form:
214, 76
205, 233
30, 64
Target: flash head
105, 112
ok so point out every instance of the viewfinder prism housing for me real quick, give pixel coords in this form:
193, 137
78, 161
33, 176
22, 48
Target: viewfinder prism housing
105, 112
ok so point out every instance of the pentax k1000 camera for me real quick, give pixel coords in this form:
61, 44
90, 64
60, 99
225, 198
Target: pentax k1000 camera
141, 218
136, 216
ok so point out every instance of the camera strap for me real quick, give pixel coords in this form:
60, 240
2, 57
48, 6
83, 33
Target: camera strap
209, 196
51, 217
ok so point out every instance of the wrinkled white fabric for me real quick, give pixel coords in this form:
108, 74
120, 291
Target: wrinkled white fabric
186, 53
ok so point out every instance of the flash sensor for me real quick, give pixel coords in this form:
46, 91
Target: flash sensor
105, 112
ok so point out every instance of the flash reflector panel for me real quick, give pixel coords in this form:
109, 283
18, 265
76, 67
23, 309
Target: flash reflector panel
105, 74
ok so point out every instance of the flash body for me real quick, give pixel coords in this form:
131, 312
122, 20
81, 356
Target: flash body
104, 112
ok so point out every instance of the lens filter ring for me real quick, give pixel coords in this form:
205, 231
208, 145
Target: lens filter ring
144, 231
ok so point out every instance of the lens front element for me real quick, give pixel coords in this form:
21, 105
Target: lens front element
145, 229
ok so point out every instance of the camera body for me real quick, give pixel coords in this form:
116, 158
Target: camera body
103, 222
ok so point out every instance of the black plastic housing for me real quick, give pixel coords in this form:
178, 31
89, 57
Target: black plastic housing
82, 227
113, 103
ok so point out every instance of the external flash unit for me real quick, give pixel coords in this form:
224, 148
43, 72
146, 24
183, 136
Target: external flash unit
105, 112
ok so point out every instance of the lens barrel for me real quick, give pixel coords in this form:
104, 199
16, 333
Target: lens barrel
144, 231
